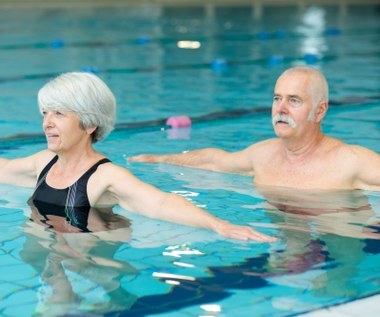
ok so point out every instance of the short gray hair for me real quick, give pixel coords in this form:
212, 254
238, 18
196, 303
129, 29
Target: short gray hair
86, 95
319, 89
318, 86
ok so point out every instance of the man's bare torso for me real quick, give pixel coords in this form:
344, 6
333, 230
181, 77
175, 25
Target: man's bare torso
331, 166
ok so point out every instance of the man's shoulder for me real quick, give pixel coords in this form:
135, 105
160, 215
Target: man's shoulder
339, 145
266, 143
265, 148
361, 151
351, 152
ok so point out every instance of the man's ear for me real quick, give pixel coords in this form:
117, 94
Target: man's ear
321, 111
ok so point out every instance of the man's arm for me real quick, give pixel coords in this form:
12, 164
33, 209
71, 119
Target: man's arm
367, 169
209, 159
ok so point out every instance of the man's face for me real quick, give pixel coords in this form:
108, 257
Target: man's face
292, 105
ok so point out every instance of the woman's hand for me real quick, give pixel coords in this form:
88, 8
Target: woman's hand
246, 233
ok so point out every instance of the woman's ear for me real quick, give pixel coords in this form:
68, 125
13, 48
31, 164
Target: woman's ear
91, 130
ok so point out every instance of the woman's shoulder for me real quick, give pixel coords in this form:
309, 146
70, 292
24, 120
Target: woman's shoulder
111, 171
42, 158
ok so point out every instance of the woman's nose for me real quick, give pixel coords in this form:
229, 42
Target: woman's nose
48, 122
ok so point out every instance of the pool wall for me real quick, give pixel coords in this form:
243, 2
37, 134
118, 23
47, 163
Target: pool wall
258, 4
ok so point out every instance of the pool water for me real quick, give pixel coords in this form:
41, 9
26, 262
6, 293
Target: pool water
329, 242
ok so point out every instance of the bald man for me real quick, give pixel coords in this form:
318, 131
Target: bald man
301, 156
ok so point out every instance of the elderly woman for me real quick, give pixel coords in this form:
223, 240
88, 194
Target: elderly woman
76, 186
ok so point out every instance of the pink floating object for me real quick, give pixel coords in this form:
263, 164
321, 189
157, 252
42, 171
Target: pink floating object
179, 122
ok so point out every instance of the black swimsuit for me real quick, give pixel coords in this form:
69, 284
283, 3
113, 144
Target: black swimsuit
70, 203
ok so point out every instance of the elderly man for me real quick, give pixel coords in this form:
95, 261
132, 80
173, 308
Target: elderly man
301, 156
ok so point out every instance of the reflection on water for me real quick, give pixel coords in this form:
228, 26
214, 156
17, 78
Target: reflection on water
76, 219
352, 213
71, 266
343, 212
328, 253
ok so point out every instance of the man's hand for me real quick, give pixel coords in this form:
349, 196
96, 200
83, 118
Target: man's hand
144, 158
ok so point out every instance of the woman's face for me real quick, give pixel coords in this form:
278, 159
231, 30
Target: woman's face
63, 130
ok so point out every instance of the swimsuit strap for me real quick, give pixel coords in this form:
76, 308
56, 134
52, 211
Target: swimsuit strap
46, 169
93, 168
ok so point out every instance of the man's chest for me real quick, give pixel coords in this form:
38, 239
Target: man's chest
306, 175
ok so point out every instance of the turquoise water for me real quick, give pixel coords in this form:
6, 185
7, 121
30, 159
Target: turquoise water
329, 249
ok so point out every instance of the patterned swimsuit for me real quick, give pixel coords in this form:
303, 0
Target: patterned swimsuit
70, 203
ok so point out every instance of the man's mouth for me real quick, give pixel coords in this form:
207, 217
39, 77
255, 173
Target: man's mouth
283, 119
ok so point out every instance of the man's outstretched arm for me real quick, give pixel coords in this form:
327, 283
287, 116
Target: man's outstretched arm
208, 158
367, 169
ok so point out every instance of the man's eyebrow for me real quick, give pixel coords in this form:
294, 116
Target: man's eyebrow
287, 96
294, 96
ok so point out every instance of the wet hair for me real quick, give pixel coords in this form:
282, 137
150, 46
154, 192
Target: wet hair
86, 95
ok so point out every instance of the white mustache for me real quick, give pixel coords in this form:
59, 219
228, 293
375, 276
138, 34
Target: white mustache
283, 118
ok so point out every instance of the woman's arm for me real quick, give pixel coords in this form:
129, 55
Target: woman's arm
139, 197
23, 171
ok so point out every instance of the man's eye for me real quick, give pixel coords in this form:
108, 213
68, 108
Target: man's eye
295, 101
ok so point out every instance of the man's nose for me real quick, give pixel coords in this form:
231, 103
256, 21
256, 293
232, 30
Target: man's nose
283, 106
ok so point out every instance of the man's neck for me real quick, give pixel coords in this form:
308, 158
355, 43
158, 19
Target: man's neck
299, 150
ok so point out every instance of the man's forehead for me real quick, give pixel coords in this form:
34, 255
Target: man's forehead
291, 85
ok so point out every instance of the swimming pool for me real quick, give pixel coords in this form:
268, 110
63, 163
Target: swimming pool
329, 246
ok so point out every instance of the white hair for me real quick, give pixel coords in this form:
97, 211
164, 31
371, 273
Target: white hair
86, 95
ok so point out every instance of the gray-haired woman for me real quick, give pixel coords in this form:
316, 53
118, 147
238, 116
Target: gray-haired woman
75, 185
